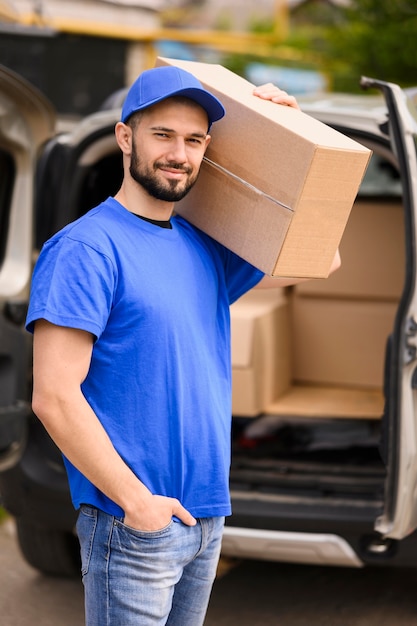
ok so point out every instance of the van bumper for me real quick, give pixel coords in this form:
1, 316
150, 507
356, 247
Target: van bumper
292, 547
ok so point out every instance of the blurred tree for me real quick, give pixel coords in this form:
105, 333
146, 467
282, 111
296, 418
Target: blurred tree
302, 49
376, 38
343, 40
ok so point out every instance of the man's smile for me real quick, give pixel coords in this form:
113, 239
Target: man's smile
174, 172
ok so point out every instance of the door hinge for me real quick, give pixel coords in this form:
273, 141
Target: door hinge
410, 341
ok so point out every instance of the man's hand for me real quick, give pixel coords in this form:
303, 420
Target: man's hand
271, 92
157, 514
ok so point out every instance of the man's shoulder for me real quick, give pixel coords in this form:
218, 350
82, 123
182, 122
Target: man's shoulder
88, 226
186, 226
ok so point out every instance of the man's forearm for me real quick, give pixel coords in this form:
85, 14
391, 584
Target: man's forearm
76, 430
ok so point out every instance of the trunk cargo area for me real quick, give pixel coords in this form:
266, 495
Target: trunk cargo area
308, 375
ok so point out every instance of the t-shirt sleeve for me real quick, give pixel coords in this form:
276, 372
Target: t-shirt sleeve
240, 276
73, 286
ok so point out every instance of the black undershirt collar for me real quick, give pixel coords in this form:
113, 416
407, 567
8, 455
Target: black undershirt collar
161, 223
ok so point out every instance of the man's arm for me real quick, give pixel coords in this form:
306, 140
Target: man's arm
61, 361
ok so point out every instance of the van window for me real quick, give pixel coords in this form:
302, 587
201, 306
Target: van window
7, 179
381, 179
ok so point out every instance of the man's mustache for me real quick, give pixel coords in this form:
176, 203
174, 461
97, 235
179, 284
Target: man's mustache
175, 166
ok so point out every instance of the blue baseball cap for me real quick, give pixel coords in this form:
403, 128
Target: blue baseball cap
166, 81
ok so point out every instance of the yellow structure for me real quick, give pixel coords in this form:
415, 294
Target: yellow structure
8, 11
93, 24
140, 25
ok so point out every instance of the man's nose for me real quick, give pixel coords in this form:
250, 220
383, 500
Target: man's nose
177, 151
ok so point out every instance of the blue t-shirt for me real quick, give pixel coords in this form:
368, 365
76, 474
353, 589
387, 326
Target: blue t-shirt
157, 302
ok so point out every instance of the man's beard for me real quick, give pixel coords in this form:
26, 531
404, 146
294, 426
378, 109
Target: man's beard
167, 190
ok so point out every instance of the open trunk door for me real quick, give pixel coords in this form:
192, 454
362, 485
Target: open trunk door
26, 121
399, 517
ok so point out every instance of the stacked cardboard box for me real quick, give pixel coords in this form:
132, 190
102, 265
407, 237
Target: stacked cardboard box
261, 350
341, 325
277, 187
318, 349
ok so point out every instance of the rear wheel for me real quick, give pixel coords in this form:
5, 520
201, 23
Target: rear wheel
51, 551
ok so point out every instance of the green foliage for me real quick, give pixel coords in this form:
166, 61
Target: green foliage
377, 38
301, 50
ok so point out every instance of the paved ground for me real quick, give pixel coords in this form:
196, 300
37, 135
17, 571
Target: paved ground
250, 593
29, 599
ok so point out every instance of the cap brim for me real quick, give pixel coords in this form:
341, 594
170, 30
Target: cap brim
212, 106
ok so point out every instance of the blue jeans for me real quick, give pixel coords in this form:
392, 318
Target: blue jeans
141, 578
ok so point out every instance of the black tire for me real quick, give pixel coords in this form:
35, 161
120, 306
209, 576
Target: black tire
52, 552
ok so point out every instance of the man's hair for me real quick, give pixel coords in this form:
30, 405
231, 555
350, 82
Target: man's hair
134, 119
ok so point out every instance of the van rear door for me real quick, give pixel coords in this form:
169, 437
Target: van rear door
26, 121
399, 517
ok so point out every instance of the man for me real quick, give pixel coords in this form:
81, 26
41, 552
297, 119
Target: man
130, 313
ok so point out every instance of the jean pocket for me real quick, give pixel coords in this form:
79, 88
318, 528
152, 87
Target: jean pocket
144, 534
86, 529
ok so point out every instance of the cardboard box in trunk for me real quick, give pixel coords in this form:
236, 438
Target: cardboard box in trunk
261, 352
341, 342
277, 186
373, 255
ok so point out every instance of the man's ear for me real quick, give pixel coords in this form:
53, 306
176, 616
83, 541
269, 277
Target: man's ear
123, 134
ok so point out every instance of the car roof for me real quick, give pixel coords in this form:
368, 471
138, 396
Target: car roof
361, 113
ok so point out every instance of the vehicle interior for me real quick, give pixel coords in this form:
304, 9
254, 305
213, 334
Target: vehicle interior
309, 364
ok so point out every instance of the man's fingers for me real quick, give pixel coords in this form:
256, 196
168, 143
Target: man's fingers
273, 93
179, 511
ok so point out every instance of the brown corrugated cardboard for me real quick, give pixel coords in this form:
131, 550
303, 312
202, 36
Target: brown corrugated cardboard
278, 185
340, 342
373, 255
321, 401
261, 357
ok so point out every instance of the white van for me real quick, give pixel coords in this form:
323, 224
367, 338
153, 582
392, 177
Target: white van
324, 374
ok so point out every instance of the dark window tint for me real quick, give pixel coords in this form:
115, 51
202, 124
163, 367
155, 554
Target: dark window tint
7, 178
381, 179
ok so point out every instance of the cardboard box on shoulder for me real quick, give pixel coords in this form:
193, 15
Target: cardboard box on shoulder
276, 185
